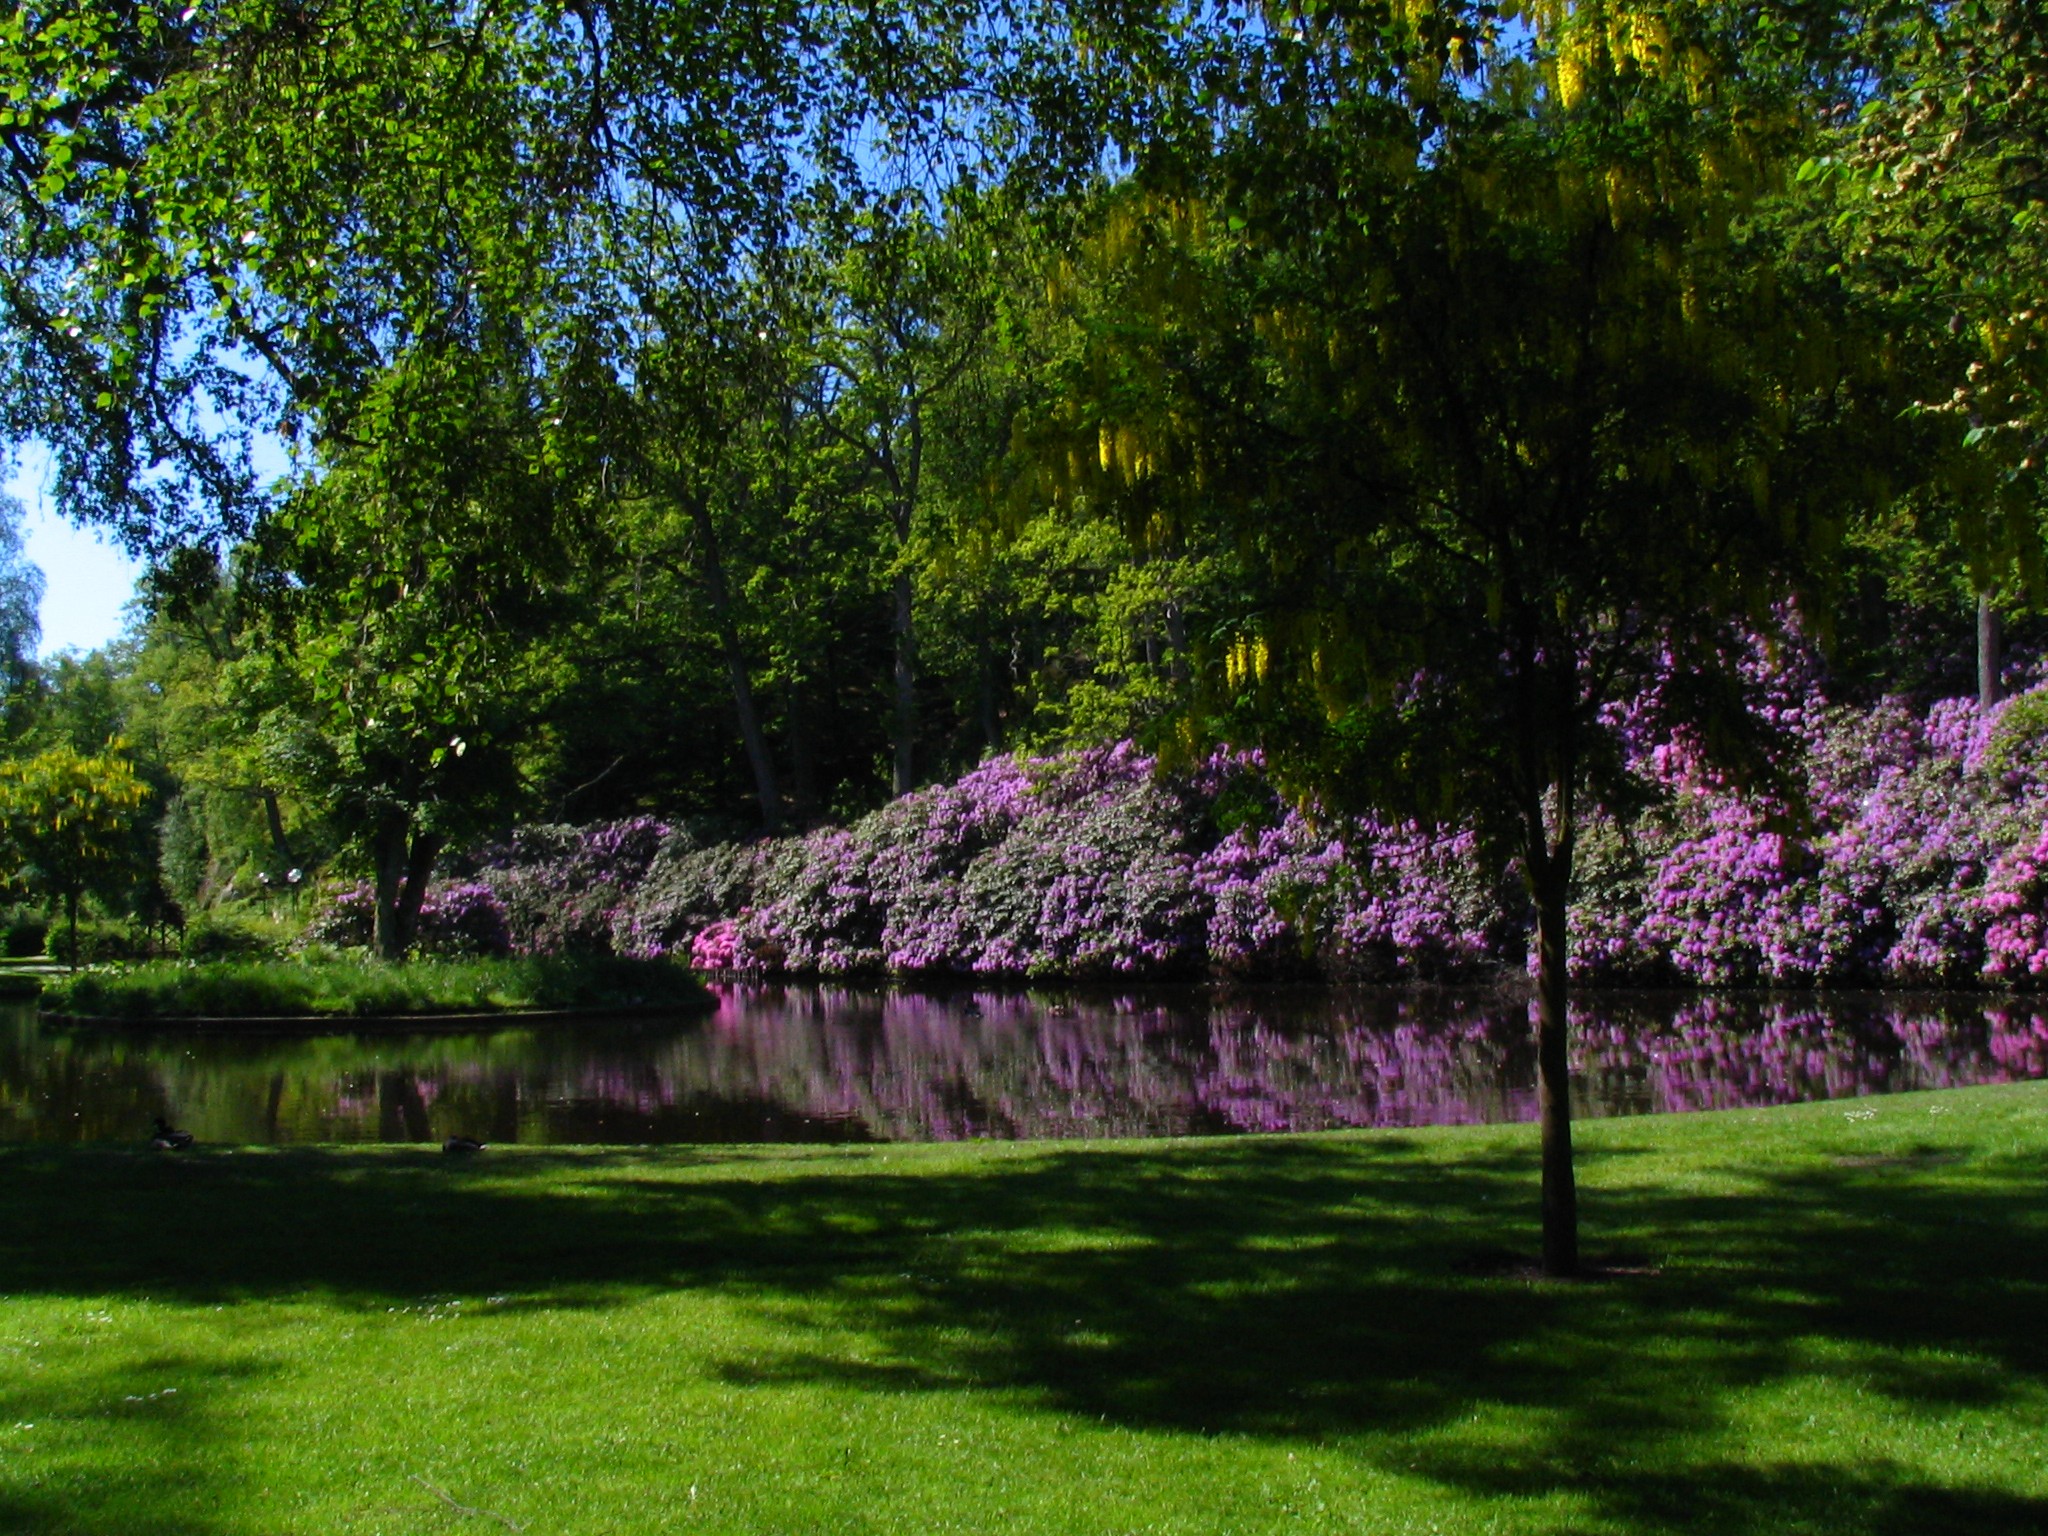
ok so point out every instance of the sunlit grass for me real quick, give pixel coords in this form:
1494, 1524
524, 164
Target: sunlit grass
1831, 1320
354, 988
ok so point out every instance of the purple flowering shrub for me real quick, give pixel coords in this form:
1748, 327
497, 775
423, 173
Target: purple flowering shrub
687, 888
1414, 903
459, 919
717, 947
1911, 849
1071, 866
562, 888
1877, 875
1095, 878
2015, 903
1089, 864
1268, 890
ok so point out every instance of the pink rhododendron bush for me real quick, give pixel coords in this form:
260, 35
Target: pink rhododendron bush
1905, 846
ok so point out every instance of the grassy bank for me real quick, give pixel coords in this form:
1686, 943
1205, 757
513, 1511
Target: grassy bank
169, 989
1835, 1322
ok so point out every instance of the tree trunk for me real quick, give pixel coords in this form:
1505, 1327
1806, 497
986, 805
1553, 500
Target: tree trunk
904, 726
404, 866
387, 852
273, 819
991, 720
419, 871
71, 923
766, 789
1176, 646
1990, 653
1549, 888
803, 773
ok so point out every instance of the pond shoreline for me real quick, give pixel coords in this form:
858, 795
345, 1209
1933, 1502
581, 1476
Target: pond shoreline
369, 1023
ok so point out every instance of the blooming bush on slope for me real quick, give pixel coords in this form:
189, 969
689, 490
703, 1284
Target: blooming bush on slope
459, 919
1088, 864
563, 887
1916, 853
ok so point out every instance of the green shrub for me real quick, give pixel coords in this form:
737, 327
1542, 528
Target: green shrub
23, 935
168, 989
218, 936
98, 942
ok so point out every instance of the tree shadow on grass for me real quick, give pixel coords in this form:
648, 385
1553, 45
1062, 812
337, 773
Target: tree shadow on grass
1315, 1291
172, 1451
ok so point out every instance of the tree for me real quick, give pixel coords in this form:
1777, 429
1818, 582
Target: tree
21, 591
411, 592
1470, 343
66, 818
1942, 183
903, 312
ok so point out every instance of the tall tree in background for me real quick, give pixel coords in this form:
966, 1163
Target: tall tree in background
1465, 339
225, 221
21, 596
904, 310
1944, 183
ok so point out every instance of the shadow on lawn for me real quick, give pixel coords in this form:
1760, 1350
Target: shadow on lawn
1310, 1290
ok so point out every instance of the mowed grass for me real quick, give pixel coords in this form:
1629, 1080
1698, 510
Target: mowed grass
1835, 1318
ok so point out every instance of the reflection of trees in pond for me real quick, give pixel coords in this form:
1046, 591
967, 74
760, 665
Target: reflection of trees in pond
797, 1063
1731, 1052
69, 1095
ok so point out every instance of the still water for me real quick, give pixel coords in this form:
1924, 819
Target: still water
790, 1063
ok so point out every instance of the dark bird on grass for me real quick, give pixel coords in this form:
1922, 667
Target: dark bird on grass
168, 1138
463, 1144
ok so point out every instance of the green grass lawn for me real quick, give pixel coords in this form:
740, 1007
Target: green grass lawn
1839, 1322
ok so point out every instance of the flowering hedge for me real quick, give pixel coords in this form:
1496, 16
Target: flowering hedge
1915, 853
458, 919
563, 888
1091, 864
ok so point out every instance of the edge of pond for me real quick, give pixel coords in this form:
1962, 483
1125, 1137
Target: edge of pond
345, 1023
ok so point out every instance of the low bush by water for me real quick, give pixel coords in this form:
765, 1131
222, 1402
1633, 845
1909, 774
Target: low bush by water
351, 988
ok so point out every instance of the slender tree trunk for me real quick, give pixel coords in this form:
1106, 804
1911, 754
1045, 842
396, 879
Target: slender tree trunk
991, 721
273, 818
752, 738
1176, 645
419, 872
1990, 653
904, 476
904, 726
1549, 887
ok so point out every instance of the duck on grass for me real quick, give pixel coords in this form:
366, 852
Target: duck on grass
361, 988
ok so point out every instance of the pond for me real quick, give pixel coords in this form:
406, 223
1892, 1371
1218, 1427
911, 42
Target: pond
810, 1063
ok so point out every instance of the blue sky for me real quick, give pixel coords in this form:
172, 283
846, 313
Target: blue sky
86, 582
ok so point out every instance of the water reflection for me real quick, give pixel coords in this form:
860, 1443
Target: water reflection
823, 1063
